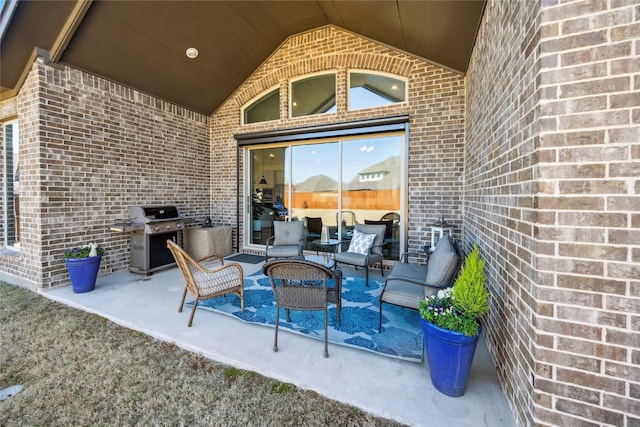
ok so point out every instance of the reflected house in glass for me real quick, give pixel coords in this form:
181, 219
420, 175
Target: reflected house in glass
376, 192
372, 193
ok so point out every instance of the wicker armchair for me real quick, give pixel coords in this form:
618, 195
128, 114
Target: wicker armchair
207, 278
302, 285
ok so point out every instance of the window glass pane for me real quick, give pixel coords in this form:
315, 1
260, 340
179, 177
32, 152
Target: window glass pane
308, 182
313, 95
12, 188
268, 202
315, 188
371, 185
263, 109
374, 90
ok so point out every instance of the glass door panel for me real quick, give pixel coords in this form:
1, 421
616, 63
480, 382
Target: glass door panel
267, 182
314, 188
371, 187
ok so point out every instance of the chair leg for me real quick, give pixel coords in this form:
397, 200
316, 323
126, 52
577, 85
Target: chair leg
326, 333
381, 269
193, 312
184, 295
275, 339
366, 275
380, 324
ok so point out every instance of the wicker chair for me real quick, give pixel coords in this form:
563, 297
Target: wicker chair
302, 285
348, 219
207, 278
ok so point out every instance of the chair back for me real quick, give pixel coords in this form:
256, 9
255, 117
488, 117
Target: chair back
444, 263
183, 260
298, 284
388, 224
377, 229
348, 218
391, 216
314, 225
287, 233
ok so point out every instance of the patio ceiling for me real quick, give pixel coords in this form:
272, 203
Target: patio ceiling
142, 44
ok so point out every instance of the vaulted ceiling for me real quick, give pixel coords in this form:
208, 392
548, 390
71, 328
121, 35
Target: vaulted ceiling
142, 44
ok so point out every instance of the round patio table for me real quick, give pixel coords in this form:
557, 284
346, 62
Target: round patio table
326, 247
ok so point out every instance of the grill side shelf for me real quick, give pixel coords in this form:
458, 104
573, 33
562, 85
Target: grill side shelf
124, 227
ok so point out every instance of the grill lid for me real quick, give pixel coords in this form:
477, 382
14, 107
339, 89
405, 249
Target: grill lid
145, 214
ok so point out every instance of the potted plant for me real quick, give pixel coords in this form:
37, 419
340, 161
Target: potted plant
257, 209
450, 321
83, 264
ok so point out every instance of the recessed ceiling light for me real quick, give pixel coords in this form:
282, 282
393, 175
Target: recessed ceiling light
192, 52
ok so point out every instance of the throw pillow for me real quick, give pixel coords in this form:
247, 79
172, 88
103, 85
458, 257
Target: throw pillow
361, 242
443, 263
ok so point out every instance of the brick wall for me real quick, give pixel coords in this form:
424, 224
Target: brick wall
435, 107
551, 184
499, 209
589, 228
96, 147
91, 148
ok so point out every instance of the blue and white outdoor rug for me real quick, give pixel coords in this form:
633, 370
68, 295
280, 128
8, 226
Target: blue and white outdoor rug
401, 335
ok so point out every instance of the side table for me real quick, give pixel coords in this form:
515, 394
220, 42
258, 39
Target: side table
329, 246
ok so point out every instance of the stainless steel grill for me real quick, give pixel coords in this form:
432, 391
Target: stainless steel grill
151, 227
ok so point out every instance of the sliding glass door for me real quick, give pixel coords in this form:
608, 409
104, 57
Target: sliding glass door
333, 183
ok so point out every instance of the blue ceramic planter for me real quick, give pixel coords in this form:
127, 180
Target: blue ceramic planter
83, 273
450, 354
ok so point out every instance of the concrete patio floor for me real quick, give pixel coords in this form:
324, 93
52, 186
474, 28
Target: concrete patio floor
383, 386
